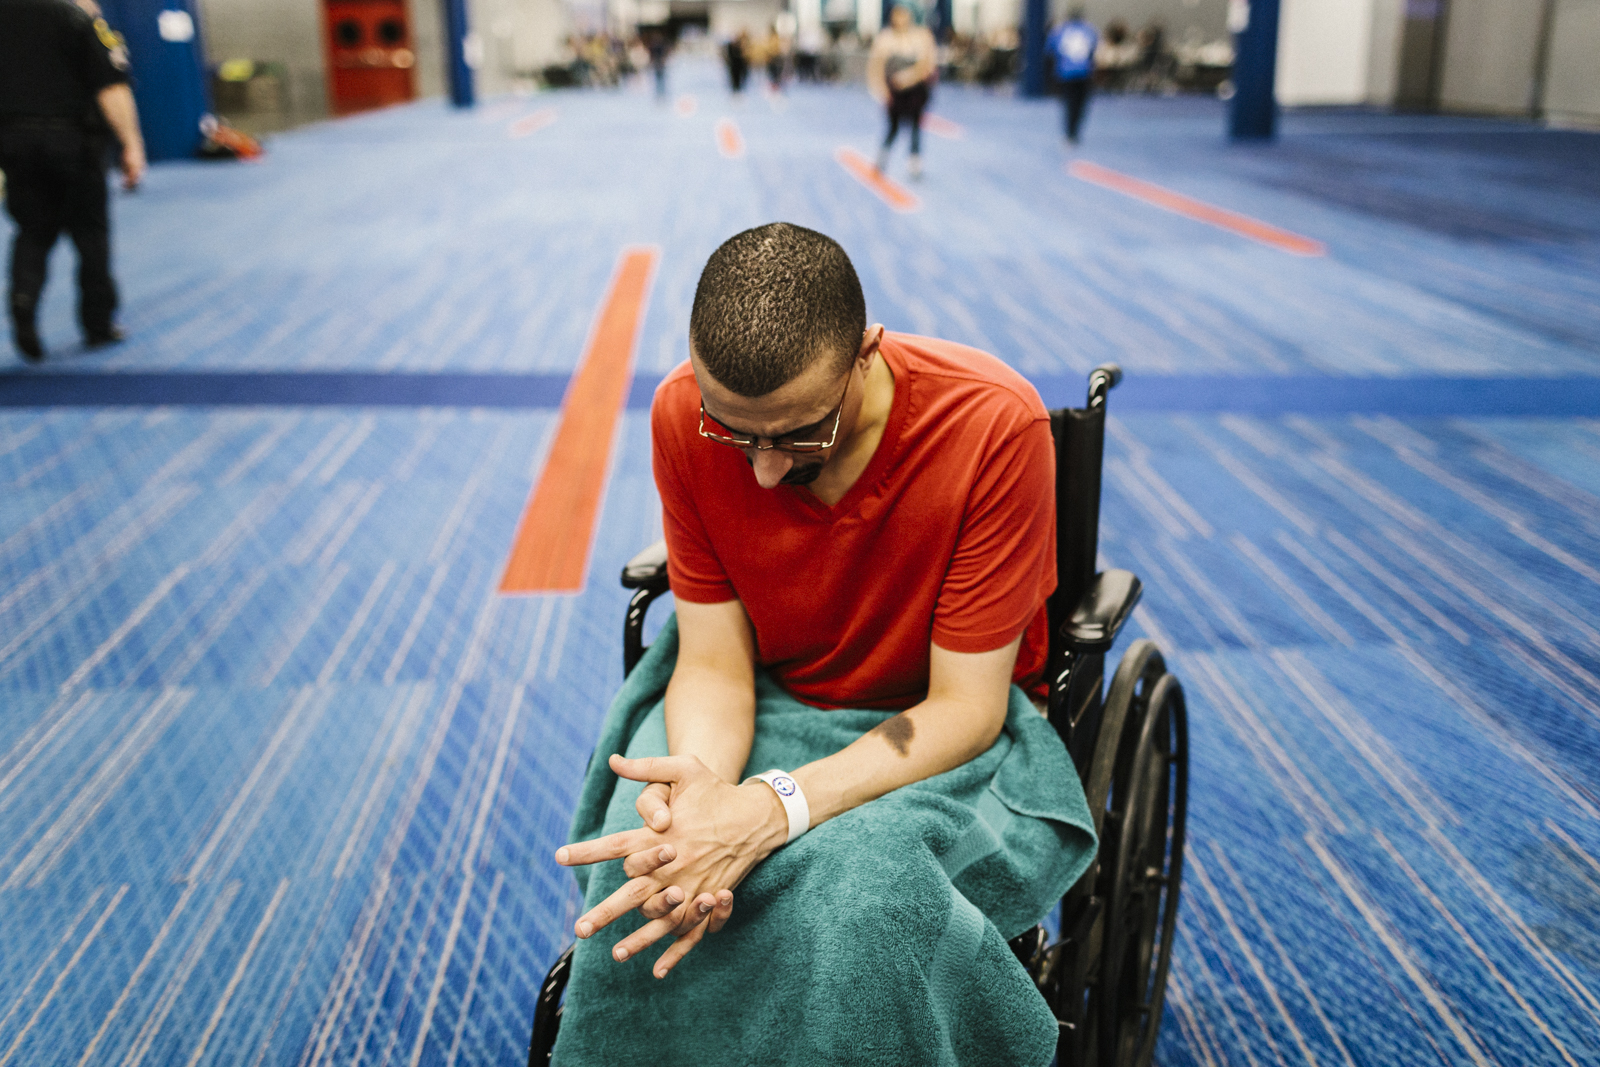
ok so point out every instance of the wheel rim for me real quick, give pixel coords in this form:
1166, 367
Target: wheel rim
1127, 701
1150, 806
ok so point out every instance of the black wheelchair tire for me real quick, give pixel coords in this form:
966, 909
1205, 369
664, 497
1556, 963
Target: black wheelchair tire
547, 1011
1140, 668
1150, 806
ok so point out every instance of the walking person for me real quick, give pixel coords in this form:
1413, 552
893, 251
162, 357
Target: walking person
736, 54
64, 96
776, 53
656, 46
1073, 44
900, 70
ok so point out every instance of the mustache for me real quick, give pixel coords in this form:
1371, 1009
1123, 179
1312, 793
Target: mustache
798, 475
801, 475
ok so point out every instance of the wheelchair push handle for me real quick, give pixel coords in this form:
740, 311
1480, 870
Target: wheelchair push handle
1102, 380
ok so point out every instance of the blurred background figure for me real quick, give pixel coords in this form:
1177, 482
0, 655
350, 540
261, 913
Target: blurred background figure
657, 46
775, 57
999, 57
1155, 66
1072, 48
1116, 58
809, 44
63, 96
900, 71
736, 54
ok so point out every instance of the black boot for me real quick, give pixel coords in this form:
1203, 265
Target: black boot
25, 332
27, 341
111, 335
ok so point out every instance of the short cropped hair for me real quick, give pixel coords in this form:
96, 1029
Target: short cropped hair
771, 301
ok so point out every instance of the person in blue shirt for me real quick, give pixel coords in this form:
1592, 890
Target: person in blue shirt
1071, 47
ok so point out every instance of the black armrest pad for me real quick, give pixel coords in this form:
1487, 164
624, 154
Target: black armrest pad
1100, 614
647, 570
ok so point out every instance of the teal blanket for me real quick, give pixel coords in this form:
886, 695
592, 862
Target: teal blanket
877, 938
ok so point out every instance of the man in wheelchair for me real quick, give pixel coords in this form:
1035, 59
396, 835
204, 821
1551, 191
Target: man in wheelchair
861, 540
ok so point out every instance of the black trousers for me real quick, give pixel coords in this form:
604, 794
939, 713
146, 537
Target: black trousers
738, 70
55, 181
1075, 101
907, 104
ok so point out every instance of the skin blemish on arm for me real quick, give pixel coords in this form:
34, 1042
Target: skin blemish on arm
898, 731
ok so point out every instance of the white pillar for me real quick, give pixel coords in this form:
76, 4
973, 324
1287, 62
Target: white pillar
808, 15
869, 18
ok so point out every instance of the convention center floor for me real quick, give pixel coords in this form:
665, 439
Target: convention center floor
287, 745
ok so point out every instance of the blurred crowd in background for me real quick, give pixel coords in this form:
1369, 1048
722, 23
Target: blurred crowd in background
1146, 60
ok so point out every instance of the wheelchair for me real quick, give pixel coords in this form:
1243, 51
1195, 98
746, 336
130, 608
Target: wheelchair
1105, 976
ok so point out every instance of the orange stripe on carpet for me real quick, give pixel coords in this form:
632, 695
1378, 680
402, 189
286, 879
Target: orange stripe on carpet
532, 123
551, 550
861, 169
686, 105
729, 141
1244, 225
943, 127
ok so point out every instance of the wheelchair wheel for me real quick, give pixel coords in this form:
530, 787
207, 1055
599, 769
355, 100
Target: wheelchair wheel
1145, 831
547, 1012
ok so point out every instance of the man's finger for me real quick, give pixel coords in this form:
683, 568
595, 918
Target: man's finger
696, 912
723, 911
651, 859
641, 939
618, 904
611, 847
652, 806
655, 768
677, 950
663, 903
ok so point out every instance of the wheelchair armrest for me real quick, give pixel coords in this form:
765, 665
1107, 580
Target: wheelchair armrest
1099, 616
647, 570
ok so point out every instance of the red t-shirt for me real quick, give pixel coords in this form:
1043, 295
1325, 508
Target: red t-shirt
948, 536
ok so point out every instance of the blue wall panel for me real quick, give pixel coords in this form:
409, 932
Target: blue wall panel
168, 76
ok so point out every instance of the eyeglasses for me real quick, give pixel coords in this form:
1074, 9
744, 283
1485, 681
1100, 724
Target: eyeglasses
789, 446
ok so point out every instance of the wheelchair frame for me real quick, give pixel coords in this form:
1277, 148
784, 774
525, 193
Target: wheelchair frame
1105, 978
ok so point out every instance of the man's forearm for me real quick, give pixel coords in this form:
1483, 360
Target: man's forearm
928, 739
116, 104
966, 707
712, 716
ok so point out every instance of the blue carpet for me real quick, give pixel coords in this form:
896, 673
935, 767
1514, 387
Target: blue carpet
280, 775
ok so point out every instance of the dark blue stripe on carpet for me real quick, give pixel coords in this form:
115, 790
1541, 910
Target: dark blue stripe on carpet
1260, 395
1317, 395
353, 389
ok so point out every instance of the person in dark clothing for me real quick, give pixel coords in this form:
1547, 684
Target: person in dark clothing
64, 95
656, 45
1071, 47
736, 54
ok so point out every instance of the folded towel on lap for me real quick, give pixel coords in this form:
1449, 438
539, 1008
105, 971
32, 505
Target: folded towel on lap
877, 938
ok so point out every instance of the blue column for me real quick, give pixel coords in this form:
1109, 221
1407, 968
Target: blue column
169, 81
1254, 114
1035, 28
455, 38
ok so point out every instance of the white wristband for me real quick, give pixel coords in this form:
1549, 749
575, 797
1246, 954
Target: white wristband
794, 801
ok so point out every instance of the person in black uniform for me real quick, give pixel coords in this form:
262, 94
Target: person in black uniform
63, 96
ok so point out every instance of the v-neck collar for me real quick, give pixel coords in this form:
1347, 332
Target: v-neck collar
882, 456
